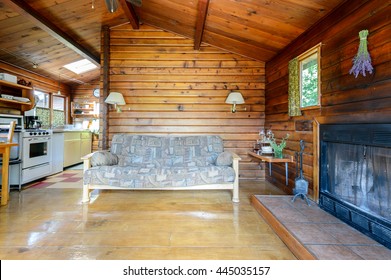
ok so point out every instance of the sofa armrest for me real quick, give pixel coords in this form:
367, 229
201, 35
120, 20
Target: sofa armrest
86, 161
89, 159
235, 163
235, 157
235, 166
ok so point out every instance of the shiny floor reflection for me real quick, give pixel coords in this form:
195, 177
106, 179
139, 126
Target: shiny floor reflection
48, 221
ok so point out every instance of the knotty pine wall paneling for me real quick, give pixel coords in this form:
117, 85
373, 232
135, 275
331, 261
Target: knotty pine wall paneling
170, 88
344, 98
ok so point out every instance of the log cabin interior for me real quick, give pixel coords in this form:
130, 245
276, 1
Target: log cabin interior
175, 62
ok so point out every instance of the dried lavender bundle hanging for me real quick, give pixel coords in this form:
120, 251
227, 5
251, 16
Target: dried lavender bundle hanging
362, 61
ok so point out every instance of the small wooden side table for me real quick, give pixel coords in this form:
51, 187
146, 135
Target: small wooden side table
271, 159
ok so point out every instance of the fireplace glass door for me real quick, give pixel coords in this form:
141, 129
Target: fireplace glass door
359, 175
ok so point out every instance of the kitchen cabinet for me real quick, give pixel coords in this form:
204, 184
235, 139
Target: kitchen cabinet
76, 145
57, 152
85, 143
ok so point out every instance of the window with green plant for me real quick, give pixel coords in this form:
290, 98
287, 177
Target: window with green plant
50, 108
309, 78
42, 109
58, 110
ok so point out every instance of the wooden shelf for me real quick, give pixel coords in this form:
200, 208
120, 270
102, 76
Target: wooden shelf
82, 111
17, 91
85, 115
286, 158
271, 159
13, 85
14, 101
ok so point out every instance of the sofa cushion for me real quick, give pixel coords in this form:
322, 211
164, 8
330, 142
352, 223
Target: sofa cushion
101, 158
224, 159
166, 151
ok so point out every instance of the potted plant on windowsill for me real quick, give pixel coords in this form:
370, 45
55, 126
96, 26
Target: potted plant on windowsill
278, 147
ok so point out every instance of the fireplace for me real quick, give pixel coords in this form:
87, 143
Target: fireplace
355, 176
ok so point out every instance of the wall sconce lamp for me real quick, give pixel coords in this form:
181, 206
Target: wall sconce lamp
234, 97
115, 98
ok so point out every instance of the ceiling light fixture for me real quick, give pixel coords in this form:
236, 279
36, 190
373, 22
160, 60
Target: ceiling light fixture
59, 88
112, 5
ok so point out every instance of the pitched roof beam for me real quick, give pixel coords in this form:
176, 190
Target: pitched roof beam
25, 9
200, 23
130, 13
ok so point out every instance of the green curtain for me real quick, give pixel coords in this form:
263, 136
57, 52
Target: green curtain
294, 90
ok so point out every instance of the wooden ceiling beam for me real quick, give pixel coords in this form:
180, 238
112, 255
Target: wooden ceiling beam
130, 14
200, 23
24, 9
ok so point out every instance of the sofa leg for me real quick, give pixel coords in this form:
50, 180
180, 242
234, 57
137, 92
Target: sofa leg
235, 194
86, 195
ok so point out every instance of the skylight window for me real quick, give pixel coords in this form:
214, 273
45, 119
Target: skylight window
80, 66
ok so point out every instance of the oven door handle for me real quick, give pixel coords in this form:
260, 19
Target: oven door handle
38, 139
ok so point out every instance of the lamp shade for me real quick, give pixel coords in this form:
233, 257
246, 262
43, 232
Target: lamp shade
235, 97
115, 98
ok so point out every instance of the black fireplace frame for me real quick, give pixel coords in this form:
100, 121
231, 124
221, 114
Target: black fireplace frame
378, 135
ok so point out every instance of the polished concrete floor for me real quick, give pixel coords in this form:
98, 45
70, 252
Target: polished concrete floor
48, 221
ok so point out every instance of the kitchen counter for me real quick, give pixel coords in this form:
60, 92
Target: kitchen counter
62, 130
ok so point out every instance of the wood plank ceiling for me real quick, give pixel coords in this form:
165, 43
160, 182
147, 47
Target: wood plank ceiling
52, 33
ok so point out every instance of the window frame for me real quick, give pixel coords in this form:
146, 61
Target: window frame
47, 95
64, 104
314, 50
50, 108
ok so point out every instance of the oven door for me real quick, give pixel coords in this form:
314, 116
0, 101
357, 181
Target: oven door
36, 151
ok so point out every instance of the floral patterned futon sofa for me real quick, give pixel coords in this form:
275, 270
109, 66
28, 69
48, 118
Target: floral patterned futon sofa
162, 162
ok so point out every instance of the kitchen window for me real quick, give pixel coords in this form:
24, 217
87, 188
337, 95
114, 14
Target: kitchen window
43, 99
58, 110
50, 109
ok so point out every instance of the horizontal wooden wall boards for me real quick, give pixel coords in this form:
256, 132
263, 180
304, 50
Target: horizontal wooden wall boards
343, 97
170, 88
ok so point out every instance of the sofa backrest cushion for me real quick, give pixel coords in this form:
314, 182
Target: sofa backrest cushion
166, 150
135, 150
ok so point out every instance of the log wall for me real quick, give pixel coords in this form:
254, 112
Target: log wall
344, 98
170, 88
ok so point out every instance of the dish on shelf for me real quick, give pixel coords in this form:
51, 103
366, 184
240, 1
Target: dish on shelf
21, 99
7, 96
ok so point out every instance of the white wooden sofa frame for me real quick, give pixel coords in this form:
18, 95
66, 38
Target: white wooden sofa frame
234, 186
